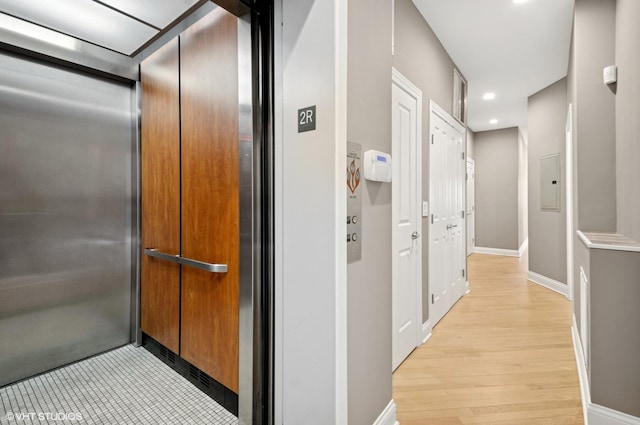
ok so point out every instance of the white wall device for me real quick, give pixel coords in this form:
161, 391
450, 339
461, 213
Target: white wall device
377, 166
425, 208
610, 74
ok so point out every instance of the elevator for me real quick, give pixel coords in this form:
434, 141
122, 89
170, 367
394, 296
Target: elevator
136, 205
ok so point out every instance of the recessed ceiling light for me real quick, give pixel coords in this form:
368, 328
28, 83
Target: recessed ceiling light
493, 121
520, 1
489, 96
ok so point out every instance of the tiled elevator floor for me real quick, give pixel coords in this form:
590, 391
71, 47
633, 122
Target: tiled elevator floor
124, 386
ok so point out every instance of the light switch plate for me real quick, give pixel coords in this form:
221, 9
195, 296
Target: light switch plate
425, 209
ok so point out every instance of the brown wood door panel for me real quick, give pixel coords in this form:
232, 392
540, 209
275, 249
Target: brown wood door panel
160, 177
210, 198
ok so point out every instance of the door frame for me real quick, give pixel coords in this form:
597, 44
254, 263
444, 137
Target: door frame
408, 87
473, 216
569, 199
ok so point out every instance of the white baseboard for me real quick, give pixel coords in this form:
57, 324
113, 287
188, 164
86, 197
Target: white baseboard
600, 415
554, 285
523, 247
426, 331
583, 377
388, 415
594, 414
496, 251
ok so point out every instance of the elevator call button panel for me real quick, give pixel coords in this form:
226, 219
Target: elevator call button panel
355, 178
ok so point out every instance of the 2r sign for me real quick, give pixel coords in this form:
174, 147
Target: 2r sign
307, 119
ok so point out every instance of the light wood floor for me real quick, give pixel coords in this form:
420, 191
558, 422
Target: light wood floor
502, 355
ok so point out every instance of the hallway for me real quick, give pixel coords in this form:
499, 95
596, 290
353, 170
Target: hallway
503, 355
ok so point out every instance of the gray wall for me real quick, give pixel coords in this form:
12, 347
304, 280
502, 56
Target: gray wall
614, 320
627, 122
594, 48
547, 229
523, 179
615, 330
369, 280
496, 156
470, 141
432, 72
594, 174
608, 197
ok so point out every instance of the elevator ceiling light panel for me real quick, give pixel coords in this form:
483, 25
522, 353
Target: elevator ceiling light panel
18, 26
493, 121
123, 26
83, 19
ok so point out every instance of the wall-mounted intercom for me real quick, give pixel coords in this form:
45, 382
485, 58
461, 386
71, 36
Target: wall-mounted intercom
377, 166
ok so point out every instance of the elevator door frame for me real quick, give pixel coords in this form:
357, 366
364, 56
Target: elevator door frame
255, 40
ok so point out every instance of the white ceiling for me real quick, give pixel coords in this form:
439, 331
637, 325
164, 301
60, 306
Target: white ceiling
513, 50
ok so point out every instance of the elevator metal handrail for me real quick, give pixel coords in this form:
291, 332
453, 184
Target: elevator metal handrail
213, 268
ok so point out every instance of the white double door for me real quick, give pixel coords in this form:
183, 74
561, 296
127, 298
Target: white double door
447, 235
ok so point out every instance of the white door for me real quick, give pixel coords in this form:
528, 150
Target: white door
406, 197
471, 206
447, 250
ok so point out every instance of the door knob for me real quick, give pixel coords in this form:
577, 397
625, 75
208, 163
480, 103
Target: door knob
451, 226
415, 235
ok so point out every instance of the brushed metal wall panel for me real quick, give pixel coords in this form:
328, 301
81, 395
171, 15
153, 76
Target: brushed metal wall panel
66, 203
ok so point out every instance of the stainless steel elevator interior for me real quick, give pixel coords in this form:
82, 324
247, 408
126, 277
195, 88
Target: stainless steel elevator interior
70, 182
66, 216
